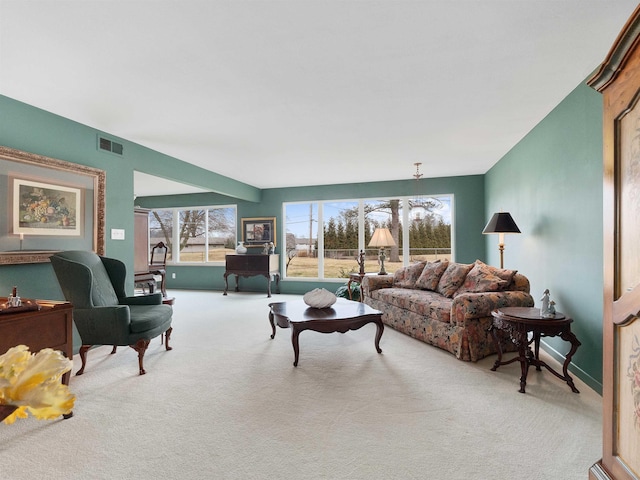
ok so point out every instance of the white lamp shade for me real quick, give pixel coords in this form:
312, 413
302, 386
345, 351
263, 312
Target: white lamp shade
382, 238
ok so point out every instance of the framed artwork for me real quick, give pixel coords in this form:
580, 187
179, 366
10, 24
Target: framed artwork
40, 208
48, 205
258, 231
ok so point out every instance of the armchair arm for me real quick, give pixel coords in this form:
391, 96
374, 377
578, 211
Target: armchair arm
479, 305
375, 282
103, 325
151, 299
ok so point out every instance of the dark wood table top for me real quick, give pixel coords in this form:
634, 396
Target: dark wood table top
343, 309
529, 315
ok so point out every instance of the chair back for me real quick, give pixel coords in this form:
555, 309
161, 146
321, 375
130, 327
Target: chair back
84, 279
159, 255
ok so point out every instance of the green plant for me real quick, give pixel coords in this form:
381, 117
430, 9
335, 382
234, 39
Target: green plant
343, 291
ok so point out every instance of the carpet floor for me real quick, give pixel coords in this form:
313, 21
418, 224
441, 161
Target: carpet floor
227, 403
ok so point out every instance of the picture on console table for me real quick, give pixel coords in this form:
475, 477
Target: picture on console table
258, 231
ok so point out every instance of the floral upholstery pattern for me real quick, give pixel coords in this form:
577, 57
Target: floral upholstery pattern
458, 325
481, 279
431, 274
406, 277
503, 273
452, 278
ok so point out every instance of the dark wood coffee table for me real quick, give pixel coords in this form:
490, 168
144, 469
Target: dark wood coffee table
343, 316
518, 322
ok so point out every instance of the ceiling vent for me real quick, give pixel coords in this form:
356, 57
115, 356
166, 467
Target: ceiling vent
110, 146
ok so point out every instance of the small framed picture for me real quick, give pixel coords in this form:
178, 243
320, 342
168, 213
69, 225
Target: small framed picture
258, 231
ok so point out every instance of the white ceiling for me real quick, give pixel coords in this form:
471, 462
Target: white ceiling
307, 92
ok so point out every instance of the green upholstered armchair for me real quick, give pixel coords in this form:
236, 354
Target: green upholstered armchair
103, 313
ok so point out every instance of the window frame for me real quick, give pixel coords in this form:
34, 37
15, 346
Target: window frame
175, 240
405, 219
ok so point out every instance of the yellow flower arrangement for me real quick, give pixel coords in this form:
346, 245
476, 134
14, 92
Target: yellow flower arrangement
32, 383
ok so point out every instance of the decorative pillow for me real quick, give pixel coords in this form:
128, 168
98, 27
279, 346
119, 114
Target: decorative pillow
406, 277
504, 274
452, 278
481, 279
431, 274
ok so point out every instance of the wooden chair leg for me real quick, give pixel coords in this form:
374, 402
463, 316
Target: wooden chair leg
166, 341
83, 356
141, 346
115, 347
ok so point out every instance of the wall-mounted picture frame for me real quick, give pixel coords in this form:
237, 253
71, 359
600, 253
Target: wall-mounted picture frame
68, 200
258, 231
40, 208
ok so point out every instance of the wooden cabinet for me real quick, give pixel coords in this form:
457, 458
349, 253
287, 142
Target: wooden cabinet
250, 265
618, 79
141, 240
49, 327
141, 274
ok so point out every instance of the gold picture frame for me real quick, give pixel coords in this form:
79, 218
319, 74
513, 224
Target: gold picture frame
258, 231
21, 242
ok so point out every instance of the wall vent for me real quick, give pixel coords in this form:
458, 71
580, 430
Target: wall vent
110, 146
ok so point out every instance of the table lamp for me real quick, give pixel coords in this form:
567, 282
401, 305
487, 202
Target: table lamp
501, 223
381, 238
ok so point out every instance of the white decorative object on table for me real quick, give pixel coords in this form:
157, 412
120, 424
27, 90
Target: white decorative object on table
319, 298
544, 309
241, 248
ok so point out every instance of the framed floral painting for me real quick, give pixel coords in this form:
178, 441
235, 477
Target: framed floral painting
46, 209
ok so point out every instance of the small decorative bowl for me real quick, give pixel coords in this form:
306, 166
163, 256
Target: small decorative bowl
319, 298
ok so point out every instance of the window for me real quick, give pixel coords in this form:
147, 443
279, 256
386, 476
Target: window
421, 228
203, 234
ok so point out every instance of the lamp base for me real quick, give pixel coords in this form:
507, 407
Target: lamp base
381, 257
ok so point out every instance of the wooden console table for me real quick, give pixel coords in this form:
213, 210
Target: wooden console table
251, 265
49, 327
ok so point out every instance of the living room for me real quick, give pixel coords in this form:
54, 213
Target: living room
550, 181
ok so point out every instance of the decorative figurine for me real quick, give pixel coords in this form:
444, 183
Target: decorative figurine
14, 299
272, 247
360, 260
552, 309
544, 310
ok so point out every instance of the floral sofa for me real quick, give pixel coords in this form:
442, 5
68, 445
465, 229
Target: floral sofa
448, 304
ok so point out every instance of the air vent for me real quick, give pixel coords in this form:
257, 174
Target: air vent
110, 146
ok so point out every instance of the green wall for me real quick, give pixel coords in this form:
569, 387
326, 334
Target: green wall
30, 129
551, 183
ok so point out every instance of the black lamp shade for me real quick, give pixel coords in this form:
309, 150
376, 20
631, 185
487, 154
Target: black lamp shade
501, 222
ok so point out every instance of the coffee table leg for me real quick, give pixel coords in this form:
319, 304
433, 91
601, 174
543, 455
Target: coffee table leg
294, 340
273, 325
379, 331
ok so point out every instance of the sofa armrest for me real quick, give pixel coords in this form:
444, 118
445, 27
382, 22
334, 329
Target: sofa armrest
375, 282
478, 305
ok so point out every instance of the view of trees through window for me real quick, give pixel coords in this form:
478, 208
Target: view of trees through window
200, 234
420, 227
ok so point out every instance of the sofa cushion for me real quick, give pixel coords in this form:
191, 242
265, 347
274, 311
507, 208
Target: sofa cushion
452, 278
503, 273
406, 277
482, 279
421, 302
430, 276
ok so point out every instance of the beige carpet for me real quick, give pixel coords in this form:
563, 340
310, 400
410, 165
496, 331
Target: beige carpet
227, 403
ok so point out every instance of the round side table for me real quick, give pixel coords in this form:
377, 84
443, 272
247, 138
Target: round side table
518, 322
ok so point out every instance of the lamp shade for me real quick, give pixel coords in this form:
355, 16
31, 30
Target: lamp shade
501, 222
382, 238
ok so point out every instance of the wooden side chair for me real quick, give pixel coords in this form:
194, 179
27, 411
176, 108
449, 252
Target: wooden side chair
158, 264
